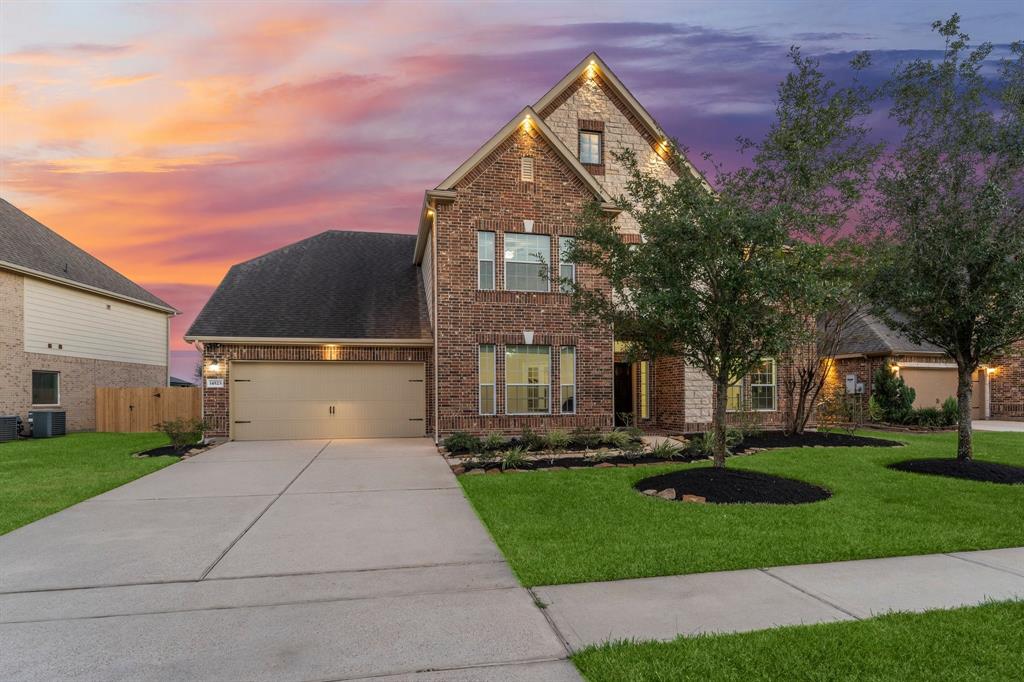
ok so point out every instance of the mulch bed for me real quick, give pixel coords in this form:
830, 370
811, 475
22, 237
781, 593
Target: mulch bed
570, 462
734, 486
990, 472
778, 439
170, 450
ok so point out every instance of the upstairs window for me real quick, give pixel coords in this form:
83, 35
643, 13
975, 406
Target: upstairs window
763, 382
526, 262
590, 147
485, 260
45, 388
527, 379
566, 268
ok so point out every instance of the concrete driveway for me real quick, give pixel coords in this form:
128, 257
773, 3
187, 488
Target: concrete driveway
297, 560
997, 425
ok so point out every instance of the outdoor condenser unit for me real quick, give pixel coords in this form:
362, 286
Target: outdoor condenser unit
8, 427
48, 423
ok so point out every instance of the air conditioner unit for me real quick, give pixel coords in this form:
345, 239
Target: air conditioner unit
48, 423
9, 427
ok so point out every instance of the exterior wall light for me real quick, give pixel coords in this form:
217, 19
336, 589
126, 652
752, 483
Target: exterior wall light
213, 367
331, 351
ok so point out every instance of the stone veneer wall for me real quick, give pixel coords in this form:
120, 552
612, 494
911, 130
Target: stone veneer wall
492, 198
217, 401
79, 377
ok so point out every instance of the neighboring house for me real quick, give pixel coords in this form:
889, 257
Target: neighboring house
868, 343
181, 383
459, 328
69, 323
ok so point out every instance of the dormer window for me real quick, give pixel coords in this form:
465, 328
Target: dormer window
591, 144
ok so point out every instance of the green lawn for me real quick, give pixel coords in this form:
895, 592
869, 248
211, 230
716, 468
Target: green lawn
585, 525
40, 477
975, 643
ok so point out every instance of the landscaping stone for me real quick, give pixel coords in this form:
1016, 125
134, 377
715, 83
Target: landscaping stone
458, 470
650, 491
603, 465
475, 472
667, 494
694, 498
493, 471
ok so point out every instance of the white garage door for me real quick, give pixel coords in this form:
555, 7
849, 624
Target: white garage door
295, 400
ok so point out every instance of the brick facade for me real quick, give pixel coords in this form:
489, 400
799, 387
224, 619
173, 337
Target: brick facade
79, 377
217, 401
492, 198
1007, 384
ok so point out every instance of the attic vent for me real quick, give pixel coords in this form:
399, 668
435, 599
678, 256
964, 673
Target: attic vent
526, 169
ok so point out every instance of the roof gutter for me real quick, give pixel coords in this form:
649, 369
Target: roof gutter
290, 341
6, 265
428, 212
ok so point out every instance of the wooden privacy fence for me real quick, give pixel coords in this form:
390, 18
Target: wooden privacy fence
132, 410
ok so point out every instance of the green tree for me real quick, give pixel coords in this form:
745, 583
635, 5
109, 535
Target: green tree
949, 212
727, 278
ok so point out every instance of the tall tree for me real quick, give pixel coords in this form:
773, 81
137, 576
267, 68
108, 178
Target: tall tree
949, 215
727, 278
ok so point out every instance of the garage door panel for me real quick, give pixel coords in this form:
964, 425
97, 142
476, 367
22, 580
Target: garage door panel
274, 401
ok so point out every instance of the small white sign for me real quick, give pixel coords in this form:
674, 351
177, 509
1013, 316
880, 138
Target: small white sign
214, 383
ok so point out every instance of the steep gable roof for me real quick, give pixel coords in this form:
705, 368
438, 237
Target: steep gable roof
593, 66
335, 286
868, 335
31, 248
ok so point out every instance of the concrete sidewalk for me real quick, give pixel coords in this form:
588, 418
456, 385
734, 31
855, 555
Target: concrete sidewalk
284, 561
736, 601
996, 425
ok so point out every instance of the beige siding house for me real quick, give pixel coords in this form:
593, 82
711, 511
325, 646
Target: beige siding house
69, 324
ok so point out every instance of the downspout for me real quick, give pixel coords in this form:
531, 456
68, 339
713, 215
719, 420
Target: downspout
435, 321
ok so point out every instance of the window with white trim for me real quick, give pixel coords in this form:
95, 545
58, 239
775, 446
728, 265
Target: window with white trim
527, 379
45, 388
526, 262
590, 147
645, 390
567, 380
566, 268
763, 380
485, 260
734, 396
487, 382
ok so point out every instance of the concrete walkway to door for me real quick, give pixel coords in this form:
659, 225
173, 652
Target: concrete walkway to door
288, 560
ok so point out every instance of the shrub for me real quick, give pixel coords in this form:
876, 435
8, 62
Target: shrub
617, 439
598, 455
842, 411
462, 442
927, 416
558, 440
875, 412
586, 438
895, 399
635, 432
531, 440
485, 457
702, 444
950, 412
183, 432
513, 458
494, 441
665, 449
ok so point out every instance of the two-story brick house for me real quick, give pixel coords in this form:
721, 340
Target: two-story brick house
462, 327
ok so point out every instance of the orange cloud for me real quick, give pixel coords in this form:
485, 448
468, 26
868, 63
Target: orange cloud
122, 81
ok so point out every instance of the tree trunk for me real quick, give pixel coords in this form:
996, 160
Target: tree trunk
964, 390
718, 420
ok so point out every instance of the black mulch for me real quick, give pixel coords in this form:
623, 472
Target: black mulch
778, 439
974, 470
732, 486
169, 450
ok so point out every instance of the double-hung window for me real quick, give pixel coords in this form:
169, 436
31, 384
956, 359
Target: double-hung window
485, 260
567, 380
527, 379
487, 374
566, 268
590, 147
45, 388
526, 262
763, 385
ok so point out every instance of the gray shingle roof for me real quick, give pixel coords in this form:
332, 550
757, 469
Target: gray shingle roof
27, 243
870, 336
335, 285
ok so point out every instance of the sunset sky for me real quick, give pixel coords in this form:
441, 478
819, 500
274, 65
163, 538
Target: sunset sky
174, 139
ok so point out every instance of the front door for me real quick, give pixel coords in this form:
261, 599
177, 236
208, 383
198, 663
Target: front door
623, 392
